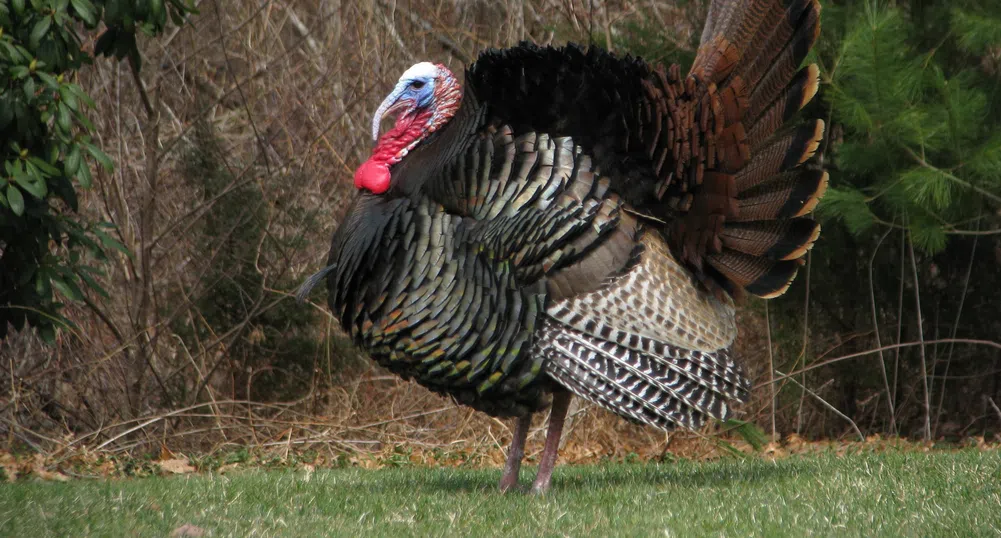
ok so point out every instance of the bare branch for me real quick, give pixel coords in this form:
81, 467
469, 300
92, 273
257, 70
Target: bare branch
921, 336
970, 341
442, 39
826, 404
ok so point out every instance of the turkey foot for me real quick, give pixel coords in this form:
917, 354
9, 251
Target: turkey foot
557, 416
515, 453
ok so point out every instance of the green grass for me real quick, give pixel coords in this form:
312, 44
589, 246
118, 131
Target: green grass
869, 494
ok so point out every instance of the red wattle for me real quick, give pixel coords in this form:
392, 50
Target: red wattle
373, 175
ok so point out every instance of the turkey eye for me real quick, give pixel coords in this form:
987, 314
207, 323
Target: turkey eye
417, 84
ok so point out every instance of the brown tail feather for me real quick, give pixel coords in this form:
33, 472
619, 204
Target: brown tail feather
771, 40
731, 26
785, 65
789, 195
775, 239
775, 281
758, 276
780, 153
800, 91
749, 61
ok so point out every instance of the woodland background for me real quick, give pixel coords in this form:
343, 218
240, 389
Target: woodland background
233, 148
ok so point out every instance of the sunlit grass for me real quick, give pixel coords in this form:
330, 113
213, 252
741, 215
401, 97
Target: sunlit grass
887, 494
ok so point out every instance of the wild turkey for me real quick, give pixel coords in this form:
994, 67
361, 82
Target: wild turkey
577, 223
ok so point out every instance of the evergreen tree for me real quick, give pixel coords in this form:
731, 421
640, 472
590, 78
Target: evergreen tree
913, 105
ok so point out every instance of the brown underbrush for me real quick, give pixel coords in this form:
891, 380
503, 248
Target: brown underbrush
235, 148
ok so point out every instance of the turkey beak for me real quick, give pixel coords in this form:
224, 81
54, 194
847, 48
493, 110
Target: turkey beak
391, 105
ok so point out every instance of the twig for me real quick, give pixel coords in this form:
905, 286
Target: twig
921, 336
806, 342
827, 405
400, 419
989, 343
900, 321
879, 344
239, 89
955, 329
994, 405
445, 41
771, 366
973, 232
391, 28
304, 32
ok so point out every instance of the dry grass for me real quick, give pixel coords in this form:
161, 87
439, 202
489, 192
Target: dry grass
289, 86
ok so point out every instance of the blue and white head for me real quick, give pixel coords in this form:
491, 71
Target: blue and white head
423, 87
425, 98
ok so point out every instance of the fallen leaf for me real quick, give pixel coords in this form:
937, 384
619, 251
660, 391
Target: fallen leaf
9, 466
50, 475
774, 450
165, 453
176, 466
188, 531
228, 467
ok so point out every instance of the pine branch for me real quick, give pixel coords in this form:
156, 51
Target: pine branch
919, 160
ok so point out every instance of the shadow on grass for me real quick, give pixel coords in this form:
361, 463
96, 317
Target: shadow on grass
684, 475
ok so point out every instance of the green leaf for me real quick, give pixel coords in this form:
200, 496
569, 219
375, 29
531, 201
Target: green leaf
29, 86
42, 286
92, 283
44, 166
734, 451
67, 96
749, 432
82, 120
48, 333
13, 52
111, 242
63, 118
15, 199
48, 79
101, 157
177, 16
72, 162
157, 11
85, 10
83, 176
80, 94
32, 182
18, 7
38, 32
6, 112
67, 287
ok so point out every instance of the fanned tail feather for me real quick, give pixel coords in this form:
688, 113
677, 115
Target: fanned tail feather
750, 226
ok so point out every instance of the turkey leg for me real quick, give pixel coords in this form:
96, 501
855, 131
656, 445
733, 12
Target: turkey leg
557, 416
515, 453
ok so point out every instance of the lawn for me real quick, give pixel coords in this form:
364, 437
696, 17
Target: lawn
946, 493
